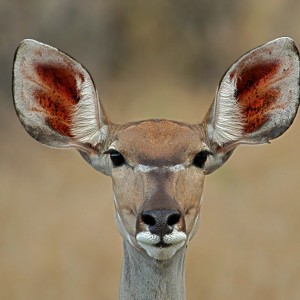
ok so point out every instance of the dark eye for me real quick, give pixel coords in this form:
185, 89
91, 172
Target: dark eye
116, 158
201, 158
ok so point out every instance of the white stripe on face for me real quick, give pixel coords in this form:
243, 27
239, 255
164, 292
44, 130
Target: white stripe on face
176, 168
145, 168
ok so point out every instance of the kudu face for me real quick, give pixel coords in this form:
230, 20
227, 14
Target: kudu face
158, 206
157, 166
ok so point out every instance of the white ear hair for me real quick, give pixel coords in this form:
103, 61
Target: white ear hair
85, 122
228, 123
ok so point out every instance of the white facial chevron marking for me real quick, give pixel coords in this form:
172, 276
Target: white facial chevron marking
145, 168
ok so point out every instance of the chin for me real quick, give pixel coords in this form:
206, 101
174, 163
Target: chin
162, 253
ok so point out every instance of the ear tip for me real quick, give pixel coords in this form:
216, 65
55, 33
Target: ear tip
286, 43
283, 40
30, 45
29, 42
23, 47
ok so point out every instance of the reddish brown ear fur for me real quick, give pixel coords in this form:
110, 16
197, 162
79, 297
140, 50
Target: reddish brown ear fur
57, 95
255, 94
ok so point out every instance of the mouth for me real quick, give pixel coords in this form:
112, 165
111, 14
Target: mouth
163, 247
162, 244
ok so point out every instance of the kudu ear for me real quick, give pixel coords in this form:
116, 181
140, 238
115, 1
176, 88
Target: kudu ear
257, 100
56, 100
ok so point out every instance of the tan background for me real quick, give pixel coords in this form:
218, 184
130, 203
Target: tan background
149, 59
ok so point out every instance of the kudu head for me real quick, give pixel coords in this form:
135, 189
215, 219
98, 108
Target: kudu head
157, 166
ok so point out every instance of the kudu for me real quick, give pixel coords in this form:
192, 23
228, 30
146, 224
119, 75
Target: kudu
157, 166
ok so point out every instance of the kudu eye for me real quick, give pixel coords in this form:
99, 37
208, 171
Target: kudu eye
116, 158
200, 158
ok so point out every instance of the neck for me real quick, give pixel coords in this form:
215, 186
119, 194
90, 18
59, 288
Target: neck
144, 277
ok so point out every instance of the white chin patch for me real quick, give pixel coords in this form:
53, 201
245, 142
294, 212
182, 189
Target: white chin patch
174, 241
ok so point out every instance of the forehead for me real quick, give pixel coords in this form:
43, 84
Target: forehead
159, 142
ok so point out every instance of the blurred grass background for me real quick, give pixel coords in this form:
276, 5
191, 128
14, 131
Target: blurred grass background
149, 59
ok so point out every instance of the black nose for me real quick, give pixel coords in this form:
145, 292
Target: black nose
161, 222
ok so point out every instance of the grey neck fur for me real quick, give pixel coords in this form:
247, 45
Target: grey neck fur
146, 278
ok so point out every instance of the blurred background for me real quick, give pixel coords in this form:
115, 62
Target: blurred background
149, 59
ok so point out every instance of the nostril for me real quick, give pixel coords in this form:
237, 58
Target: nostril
148, 219
160, 221
173, 219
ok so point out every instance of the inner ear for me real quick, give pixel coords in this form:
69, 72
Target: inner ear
57, 94
256, 93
